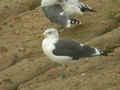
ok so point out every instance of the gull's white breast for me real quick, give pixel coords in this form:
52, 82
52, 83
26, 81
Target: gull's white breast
48, 47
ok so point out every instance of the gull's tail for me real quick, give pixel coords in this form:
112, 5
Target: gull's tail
84, 8
104, 53
74, 21
100, 52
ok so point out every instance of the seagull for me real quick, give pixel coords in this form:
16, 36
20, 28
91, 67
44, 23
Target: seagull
66, 50
53, 13
61, 11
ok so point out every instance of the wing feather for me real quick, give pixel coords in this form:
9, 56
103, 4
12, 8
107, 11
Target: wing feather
73, 49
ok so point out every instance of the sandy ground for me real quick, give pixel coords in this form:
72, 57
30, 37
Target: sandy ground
23, 66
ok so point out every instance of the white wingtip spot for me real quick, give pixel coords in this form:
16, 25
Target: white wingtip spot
97, 52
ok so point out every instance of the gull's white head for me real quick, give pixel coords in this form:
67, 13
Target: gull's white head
51, 33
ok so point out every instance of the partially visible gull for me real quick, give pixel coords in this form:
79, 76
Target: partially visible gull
52, 12
66, 50
61, 11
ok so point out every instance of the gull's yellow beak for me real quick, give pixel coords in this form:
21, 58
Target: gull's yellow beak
40, 36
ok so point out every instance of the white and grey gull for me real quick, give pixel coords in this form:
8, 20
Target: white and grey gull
61, 11
66, 50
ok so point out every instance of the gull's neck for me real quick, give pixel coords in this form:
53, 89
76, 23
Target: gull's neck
53, 37
49, 41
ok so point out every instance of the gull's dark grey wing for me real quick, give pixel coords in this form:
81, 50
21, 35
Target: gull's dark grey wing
73, 49
53, 13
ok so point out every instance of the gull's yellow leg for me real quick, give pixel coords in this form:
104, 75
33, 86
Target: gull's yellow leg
65, 69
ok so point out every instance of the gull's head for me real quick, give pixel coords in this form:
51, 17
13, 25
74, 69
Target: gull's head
51, 33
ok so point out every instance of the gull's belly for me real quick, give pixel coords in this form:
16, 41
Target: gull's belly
48, 50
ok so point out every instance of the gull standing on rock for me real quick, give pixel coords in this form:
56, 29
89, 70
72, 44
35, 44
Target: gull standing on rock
66, 50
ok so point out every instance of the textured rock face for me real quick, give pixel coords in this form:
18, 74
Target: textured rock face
23, 66
10, 8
